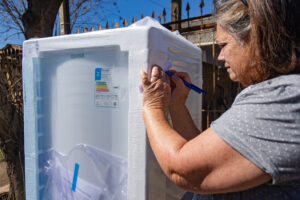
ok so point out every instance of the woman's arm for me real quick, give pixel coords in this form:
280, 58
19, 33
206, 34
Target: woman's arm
205, 164
181, 119
183, 123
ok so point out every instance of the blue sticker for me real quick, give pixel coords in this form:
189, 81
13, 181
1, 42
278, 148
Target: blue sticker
75, 176
98, 74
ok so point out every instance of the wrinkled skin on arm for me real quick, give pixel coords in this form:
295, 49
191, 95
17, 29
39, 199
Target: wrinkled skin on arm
201, 163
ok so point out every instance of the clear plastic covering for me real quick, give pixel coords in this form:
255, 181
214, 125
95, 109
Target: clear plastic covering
83, 89
101, 175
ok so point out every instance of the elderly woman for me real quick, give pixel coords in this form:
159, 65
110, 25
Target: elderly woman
253, 150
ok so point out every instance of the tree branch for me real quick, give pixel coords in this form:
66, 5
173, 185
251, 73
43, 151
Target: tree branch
24, 5
11, 35
11, 11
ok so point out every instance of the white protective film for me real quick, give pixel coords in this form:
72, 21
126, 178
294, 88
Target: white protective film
83, 112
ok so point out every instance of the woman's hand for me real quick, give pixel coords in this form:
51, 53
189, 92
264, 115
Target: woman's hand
157, 91
179, 92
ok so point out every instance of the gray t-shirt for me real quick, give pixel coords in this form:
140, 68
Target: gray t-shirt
263, 124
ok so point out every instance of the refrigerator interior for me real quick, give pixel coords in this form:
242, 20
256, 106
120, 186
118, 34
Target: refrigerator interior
82, 98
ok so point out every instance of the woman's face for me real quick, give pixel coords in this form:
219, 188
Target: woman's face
233, 54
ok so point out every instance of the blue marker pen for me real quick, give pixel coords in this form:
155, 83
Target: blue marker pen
189, 85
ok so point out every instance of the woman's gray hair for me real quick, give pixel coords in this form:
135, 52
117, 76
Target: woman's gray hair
233, 16
270, 28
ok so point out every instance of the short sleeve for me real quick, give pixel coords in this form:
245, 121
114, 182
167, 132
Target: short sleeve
263, 125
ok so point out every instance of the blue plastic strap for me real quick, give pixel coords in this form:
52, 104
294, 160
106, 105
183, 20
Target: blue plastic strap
75, 176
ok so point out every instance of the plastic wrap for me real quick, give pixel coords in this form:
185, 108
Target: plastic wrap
63, 108
109, 180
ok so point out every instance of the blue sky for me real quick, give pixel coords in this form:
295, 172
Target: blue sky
130, 8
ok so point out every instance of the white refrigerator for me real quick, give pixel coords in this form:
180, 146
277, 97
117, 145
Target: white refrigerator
84, 133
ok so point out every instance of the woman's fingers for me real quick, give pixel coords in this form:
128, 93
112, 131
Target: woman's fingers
179, 91
177, 80
183, 76
155, 74
172, 71
144, 78
164, 76
178, 77
156, 90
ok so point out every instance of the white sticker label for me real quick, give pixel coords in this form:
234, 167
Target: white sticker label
106, 92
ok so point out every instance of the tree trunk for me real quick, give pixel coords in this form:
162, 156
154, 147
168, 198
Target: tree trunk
38, 20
